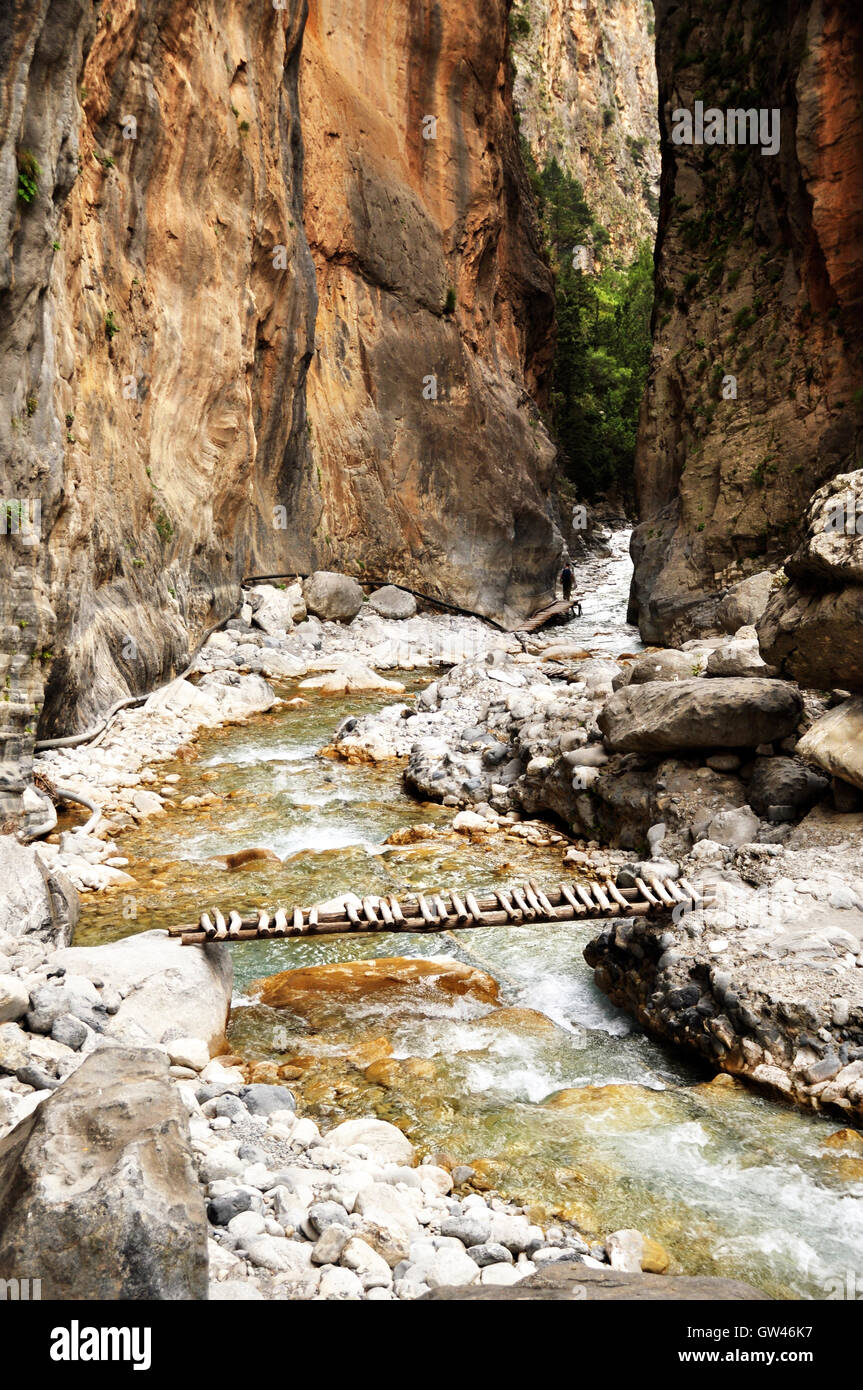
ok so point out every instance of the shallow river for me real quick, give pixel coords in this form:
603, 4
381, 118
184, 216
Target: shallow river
586, 1117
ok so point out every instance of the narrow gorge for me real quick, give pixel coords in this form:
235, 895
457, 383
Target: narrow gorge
431, 502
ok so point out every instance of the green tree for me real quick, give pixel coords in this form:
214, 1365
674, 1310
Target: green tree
603, 339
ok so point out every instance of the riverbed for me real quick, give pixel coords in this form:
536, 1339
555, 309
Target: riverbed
557, 1100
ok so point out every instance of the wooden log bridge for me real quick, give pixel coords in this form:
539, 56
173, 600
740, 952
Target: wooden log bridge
437, 912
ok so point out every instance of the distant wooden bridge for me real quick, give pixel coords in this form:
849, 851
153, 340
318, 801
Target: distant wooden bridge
440, 912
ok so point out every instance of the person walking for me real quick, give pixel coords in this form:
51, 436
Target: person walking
566, 579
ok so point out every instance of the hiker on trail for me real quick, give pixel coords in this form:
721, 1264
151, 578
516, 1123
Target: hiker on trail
566, 578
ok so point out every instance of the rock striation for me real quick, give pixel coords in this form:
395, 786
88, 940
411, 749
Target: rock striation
215, 369
753, 392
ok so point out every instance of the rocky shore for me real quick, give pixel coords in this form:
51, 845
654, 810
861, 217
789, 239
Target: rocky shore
206, 1186
698, 761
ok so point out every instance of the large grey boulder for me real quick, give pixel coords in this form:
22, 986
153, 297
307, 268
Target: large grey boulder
667, 665
167, 988
740, 656
813, 626
835, 742
745, 602
664, 716
816, 636
276, 610
34, 901
390, 602
98, 1197
218, 698
334, 597
784, 782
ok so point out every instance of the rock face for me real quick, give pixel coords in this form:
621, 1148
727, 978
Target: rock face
759, 279
813, 626
789, 1017
160, 318
98, 1197
666, 715
585, 89
435, 304
184, 990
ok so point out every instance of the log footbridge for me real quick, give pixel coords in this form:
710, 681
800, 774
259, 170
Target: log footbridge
440, 912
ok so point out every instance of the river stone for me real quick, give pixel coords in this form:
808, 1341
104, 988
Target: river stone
489, 1253
565, 1282
14, 999
734, 828
263, 1099
625, 1250
445, 1268
14, 1047
745, 602
370, 1268
276, 610
835, 742
384, 1143
330, 1244
162, 981
98, 1197
35, 901
391, 602
472, 1229
333, 597
665, 716
350, 675
739, 657
70, 1031
339, 1283
222, 1210
667, 665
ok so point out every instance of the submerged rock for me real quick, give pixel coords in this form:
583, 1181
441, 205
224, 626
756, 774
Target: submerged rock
302, 990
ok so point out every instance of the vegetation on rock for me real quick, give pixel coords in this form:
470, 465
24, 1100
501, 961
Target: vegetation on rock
603, 338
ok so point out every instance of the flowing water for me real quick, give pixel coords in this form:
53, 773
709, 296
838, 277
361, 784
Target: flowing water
557, 1099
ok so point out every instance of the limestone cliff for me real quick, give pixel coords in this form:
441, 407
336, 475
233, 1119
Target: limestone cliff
433, 333
585, 91
160, 320
759, 290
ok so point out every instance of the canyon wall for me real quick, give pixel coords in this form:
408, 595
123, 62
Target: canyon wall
206, 374
755, 394
434, 329
585, 91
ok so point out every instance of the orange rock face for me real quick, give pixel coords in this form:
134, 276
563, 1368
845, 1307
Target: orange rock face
213, 370
434, 304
